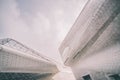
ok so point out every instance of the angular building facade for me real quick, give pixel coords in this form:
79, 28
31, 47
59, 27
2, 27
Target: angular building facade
91, 48
18, 62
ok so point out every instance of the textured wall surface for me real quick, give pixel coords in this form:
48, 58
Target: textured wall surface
19, 64
93, 43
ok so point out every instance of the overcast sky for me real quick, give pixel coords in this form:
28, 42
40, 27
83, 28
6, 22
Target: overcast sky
39, 24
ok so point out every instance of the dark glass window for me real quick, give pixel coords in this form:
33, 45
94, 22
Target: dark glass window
87, 77
115, 77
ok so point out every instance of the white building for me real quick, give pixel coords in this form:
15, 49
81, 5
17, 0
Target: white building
91, 48
18, 62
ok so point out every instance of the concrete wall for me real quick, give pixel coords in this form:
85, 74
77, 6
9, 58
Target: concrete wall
94, 41
24, 66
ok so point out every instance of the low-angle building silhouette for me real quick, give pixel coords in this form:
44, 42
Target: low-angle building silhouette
91, 47
18, 62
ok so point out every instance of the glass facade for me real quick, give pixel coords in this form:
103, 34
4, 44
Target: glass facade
22, 76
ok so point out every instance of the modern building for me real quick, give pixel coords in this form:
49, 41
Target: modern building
92, 46
18, 62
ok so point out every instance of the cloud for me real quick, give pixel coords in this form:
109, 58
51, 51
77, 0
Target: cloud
40, 24
10, 18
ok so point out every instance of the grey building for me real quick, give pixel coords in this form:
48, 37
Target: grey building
92, 46
18, 62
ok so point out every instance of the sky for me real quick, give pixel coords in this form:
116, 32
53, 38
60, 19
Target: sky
39, 24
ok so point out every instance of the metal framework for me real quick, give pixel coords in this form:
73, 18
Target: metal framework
17, 62
20, 47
